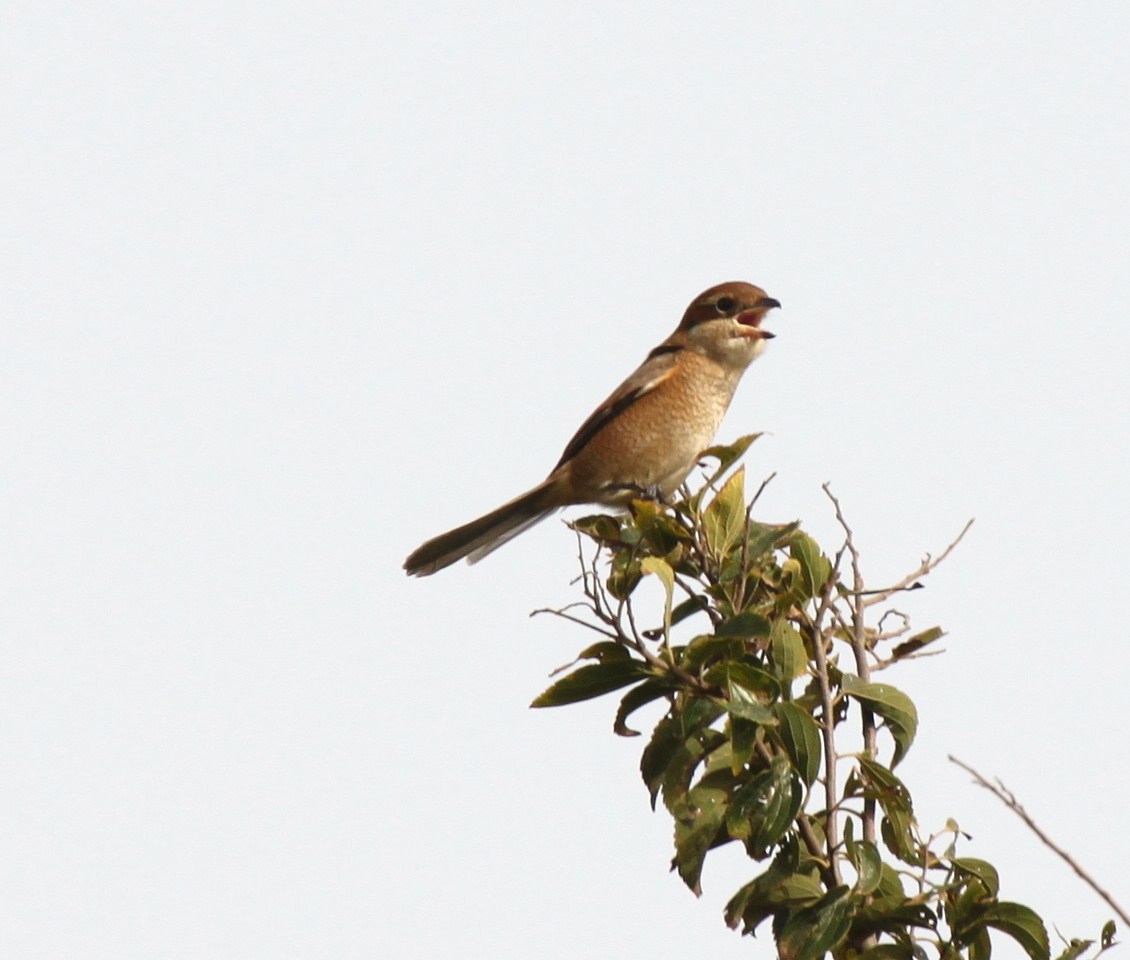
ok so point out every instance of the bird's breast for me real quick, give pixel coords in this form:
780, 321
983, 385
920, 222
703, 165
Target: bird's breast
655, 441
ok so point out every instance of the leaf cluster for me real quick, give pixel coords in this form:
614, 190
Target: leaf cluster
773, 733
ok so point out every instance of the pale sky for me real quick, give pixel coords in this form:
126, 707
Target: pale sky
289, 288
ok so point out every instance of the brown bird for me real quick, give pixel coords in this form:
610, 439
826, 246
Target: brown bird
645, 438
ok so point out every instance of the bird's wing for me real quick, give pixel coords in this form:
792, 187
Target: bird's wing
659, 365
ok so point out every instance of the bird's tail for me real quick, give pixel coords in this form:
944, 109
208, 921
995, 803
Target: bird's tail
476, 539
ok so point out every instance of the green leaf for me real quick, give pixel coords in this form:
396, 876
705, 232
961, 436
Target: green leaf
870, 868
890, 885
635, 698
745, 691
743, 742
1075, 948
666, 741
894, 800
645, 513
724, 520
698, 713
981, 869
662, 569
787, 651
727, 455
980, 946
706, 648
677, 776
667, 537
814, 931
917, 642
682, 766
745, 626
689, 607
694, 840
605, 651
782, 886
764, 808
764, 685
781, 808
814, 566
1107, 939
891, 911
600, 527
763, 897
764, 537
881, 783
742, 702
749, 898
889, 951
718, 765
1022, 924
801, 738
592, 681
968, 900
899, 838
892, 705
624, 575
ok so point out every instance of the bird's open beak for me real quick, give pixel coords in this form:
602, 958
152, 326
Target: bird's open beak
752, 318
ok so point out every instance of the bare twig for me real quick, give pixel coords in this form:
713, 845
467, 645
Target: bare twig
613, 621
907, 582
761, 489
905, 658
577, 620
898, 631
1002, 793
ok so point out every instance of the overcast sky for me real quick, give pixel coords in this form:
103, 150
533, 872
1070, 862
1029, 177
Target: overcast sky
288, 288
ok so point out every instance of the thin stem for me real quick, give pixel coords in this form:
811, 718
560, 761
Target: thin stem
827, 728
577, 620
761, 489
910, 580
862, 666
1002, 793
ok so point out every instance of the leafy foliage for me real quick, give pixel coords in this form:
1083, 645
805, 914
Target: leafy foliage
774, 675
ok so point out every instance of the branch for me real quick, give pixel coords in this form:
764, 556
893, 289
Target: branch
859, 649
907, 582
828, 721
761, 489
1006, 797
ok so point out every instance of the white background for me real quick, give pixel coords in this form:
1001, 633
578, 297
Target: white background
287, 288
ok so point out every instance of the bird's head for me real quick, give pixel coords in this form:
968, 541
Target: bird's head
724, 322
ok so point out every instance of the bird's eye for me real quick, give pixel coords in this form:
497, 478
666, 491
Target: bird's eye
725, 305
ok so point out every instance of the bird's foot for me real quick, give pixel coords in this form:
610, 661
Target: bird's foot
652, 492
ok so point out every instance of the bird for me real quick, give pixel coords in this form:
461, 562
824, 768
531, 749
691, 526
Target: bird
645, 438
